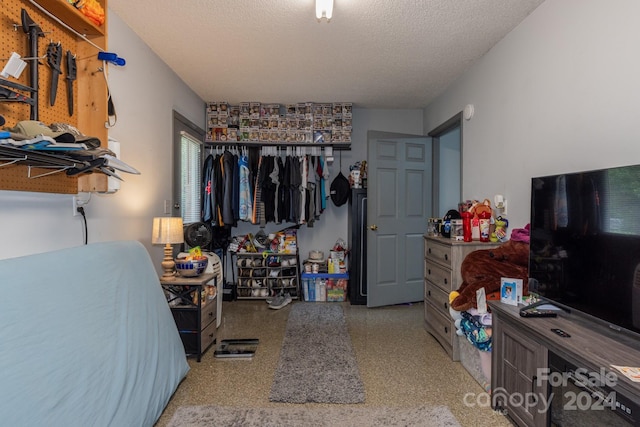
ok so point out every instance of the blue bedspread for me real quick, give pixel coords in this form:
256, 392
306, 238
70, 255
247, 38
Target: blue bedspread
86, 339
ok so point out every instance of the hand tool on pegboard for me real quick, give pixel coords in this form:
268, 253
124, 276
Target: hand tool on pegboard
54, 58
71, 77
33, 31
7, 94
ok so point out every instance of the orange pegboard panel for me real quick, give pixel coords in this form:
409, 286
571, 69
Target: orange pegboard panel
17, 177
14, 39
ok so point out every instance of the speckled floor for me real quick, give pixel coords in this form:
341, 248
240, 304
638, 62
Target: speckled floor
400, 363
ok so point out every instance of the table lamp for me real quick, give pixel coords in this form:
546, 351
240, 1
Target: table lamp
167, 230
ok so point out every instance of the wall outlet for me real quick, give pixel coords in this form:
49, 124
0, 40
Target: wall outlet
76, 204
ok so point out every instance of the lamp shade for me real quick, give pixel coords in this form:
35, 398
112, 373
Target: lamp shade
167, 230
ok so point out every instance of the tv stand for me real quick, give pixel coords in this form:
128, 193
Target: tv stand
520, 355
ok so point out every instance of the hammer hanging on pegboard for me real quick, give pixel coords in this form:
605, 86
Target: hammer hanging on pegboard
33, 31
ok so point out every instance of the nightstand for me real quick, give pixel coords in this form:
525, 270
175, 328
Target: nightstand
194, 310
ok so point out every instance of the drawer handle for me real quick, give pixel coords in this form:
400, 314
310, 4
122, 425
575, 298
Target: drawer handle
446, 256
446, 306
429, 293
446, 330
429, 250
534, 398
211, 335
446, 282
429, 271
210, 314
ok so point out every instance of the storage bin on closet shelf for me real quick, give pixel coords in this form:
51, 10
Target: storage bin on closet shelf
321, 287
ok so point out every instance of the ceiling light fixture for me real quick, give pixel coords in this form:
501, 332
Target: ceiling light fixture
324, 9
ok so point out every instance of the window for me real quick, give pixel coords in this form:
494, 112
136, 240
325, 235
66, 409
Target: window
187, 169
190, 171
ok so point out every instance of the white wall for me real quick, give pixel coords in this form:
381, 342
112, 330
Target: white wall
145, 92
449, 188
559, 93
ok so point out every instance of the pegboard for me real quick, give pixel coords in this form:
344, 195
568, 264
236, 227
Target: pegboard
14, 39
16, 177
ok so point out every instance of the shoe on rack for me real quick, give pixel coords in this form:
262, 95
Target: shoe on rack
280, 301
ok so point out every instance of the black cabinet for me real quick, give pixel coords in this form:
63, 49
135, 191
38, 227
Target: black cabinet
358, 246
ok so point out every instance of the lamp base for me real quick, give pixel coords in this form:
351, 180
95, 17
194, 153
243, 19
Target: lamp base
168, 264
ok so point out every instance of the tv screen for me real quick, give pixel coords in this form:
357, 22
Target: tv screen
585, 243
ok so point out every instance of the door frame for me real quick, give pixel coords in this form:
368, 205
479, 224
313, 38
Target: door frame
435, 134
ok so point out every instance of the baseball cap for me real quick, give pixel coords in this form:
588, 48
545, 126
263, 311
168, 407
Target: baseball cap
339, 190
66, 128
60, 132
31, 128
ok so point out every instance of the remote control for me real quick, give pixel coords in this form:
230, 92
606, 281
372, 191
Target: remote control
534, 312
560, 332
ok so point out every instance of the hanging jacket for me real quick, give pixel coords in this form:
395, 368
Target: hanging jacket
275, 179
235, 192
218, 188
282, 191
208, 195
227, 201
244, 192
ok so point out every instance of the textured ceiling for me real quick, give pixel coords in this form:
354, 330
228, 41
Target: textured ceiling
374, 53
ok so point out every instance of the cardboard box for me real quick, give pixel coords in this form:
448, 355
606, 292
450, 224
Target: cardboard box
337, 289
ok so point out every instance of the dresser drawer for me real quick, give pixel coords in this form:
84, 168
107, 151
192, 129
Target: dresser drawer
187, 318
437, 297
208, 314
438, 252
190, 339
438, 275
208, 336
441, 327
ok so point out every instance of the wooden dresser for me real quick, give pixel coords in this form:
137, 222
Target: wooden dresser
574, 371
442, 260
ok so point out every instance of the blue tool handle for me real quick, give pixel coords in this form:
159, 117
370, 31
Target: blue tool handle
107, 56
111, 57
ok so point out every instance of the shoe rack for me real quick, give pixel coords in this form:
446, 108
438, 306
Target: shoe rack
264, 275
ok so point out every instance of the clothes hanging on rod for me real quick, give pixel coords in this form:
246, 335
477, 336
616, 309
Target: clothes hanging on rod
261, 185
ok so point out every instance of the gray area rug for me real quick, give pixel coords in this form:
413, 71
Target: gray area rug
339, 415
317, 363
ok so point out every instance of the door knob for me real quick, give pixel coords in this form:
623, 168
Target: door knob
373, 227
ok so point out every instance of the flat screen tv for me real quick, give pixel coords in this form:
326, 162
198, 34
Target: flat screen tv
585, 244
